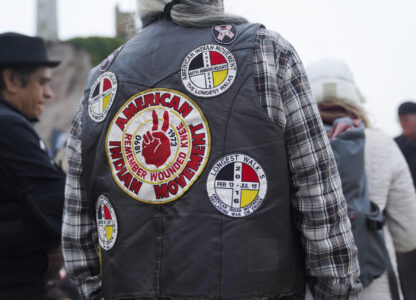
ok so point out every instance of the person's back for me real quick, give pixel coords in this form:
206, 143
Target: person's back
175, 152
187, 174
390, 186
388, 177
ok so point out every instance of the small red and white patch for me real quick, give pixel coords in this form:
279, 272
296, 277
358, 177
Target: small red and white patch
102, 95
157, 145
106, 223
224, 34
237, 185
209, 71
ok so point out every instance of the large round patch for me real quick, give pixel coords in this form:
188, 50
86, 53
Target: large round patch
208, 71
102, 96
157, 145
106, 223
237, 185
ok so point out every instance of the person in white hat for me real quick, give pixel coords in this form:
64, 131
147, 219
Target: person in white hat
388, 178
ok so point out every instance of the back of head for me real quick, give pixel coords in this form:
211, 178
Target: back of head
333, 86
189, 13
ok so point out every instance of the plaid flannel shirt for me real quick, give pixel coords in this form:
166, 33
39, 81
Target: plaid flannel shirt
320, 209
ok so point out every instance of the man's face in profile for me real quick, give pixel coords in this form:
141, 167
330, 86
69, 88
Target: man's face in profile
32, 97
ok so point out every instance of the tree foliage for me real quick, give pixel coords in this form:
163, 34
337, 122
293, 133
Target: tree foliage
98, 47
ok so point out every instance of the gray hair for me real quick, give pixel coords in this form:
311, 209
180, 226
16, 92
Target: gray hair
23, 73
190, 13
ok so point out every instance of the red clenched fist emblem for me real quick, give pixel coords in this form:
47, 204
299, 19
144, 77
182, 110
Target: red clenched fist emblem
156, 145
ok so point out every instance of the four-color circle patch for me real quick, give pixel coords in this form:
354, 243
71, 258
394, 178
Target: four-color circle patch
106, 223
208, 71
157, 145
102, 96
237, 185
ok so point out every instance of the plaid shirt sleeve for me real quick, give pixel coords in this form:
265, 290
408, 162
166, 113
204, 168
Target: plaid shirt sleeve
319, 205
79, 235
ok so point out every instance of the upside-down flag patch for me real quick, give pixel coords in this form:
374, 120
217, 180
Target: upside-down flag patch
224, 34
106, 223
157, 145
208, 71
102, 96
237, 185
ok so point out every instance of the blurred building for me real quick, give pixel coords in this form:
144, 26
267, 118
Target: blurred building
69, 78
47, 20
125, 24
68, 83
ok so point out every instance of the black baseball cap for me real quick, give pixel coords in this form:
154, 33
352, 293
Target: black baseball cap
407, 107
18, 49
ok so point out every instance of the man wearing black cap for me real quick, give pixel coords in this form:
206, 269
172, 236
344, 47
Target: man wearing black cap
31, 188
407, 144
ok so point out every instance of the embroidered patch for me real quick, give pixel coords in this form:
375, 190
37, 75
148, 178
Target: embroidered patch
208, 71
102, 96
157, 145
106, 223
108, 61
237, 185
224, 34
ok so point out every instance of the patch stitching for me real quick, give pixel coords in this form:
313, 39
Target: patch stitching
224, 34
106, 223
102, 95
237, 185
157, 145
208, 71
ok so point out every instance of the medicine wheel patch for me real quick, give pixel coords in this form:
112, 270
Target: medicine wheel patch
106, 223
208, 71
102, 96
157, 145
237, 185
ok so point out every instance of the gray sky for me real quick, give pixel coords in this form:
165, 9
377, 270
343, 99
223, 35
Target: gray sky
376, 37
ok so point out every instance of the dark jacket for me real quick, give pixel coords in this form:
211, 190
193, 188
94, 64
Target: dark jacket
407, 261
31, 203
190, 236
408, 148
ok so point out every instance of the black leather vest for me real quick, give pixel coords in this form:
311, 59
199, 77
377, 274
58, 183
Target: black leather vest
206, 214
